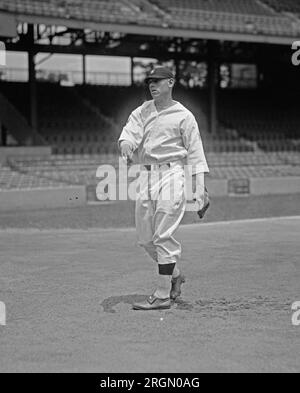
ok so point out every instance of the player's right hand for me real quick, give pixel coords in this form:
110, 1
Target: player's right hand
126, 152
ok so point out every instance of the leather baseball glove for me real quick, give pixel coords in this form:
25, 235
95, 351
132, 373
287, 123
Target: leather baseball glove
201, 213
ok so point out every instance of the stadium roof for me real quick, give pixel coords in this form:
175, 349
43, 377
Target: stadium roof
256, 22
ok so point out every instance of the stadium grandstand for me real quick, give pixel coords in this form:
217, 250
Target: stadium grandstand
233, 67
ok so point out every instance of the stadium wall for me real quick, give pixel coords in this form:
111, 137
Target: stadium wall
76, 196
275, 185
13, 200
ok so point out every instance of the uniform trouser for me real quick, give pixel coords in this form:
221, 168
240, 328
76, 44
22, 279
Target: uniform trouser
160, 207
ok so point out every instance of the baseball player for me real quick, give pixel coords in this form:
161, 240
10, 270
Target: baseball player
164, 137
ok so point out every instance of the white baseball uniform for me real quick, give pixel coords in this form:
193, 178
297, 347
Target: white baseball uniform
164, 141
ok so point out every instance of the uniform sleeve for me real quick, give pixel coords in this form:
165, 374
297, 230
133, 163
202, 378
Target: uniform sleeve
193, 143
133, 130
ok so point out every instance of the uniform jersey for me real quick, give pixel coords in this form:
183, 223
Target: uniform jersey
166, 136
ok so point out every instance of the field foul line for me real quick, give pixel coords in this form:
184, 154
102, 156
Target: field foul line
245, 221
182, 227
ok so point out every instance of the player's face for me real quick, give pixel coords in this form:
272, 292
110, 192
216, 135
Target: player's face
160, 87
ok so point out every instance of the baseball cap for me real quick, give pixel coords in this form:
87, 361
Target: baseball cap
160, 73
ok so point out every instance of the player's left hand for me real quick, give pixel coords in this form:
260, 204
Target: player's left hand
199, 190
202, 199
199, 198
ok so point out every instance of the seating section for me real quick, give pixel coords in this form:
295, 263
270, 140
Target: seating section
19, 179
62, 171
238, 16
253, 164
88, 119
57, 171
263, 118
18, 95
66, 121
248, 159
107, 11
115, 102
232, 6
81, 170
292, 6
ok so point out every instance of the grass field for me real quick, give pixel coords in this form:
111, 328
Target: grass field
68, 290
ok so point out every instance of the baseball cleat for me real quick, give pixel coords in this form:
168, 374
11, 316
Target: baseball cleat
176, 286
153, 303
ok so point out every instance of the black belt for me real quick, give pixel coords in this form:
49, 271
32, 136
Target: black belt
149, 167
